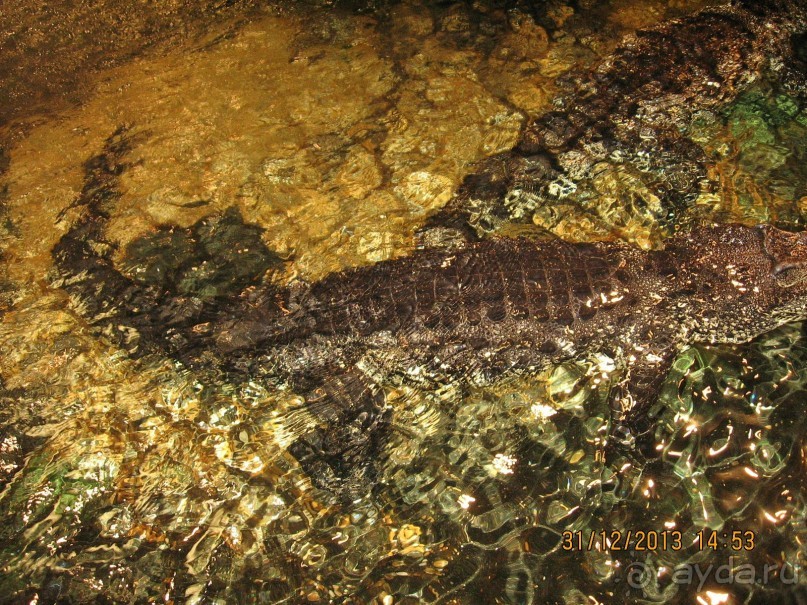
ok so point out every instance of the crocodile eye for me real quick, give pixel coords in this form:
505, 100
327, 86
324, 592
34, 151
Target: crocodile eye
497, 312
789, 274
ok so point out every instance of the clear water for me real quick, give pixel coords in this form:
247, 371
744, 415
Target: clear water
130, 481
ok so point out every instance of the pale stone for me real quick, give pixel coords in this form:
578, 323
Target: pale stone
425, 190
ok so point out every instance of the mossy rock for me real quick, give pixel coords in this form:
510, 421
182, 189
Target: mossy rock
215, 257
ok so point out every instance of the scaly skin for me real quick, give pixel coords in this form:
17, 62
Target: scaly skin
635, 109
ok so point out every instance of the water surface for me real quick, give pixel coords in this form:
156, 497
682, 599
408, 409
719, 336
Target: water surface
339, 130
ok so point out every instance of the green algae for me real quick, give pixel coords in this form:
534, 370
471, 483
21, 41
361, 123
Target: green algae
767, 130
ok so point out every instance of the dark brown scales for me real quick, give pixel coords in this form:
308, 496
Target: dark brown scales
635, 108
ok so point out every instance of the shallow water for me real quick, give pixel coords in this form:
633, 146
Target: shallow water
339, 132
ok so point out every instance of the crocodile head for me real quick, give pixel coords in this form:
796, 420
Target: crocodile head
742, 281
786, 255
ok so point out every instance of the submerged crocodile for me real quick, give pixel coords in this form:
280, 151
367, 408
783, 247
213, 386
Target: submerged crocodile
472, 315
634, 112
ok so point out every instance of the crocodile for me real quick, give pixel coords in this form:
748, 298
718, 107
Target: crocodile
466, 316
634, 111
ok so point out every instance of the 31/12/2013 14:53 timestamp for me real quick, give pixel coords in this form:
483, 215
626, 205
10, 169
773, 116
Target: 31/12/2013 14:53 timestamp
641, 540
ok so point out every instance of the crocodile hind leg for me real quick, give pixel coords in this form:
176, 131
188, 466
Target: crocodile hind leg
341, 454
632, 425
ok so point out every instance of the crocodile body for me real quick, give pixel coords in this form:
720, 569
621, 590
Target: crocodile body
472, 315
634, 112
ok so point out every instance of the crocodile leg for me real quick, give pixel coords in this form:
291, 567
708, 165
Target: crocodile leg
341, 454
631, 399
